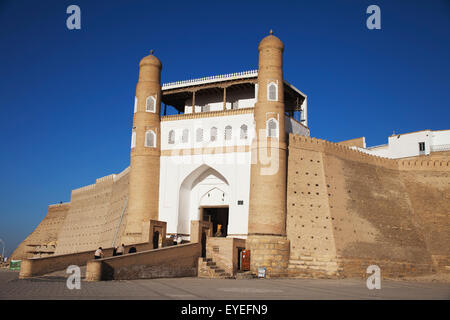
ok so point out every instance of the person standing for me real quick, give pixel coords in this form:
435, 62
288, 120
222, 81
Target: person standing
121, 250
98, 253
219, 231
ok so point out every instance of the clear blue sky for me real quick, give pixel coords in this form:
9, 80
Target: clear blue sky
66, 97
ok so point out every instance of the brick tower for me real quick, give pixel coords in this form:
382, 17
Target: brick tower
143, 195
267, 217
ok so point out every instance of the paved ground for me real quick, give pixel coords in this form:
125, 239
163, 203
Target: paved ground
54, 287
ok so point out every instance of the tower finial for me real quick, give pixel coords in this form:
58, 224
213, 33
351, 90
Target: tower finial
151, 52
271, 32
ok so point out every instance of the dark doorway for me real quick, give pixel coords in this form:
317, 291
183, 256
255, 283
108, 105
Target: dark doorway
239, 259
203, 244
155, 239
218, 216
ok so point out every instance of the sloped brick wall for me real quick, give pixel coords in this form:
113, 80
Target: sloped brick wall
94, 215
373, 220
46, 232
347, 210
429, 192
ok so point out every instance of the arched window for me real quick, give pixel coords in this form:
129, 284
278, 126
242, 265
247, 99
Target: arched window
199, 135
171, 137
150, 105
213, 134
135, 104
228, 132
272, 91
185, 136
133, 139
150, 139
244, 131
272, 128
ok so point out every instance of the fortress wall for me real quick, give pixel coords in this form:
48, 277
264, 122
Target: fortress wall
435, 164
46, 232
429, 192
357, 142
373, 220
94, 214
372, 211
114, 221
308, 221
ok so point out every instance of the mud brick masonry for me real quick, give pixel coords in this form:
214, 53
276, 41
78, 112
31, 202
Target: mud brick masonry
327, 210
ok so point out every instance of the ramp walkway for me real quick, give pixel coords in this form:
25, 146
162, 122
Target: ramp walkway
40, 266
168, 262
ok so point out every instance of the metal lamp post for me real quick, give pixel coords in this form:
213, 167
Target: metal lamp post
3, 250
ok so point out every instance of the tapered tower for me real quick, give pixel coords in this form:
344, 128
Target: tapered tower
143, 194
267, 217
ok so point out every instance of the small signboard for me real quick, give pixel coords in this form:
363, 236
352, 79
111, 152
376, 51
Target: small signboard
15, 265
261, 272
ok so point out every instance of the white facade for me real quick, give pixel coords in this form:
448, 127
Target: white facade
206, 157
190, 181
412, 144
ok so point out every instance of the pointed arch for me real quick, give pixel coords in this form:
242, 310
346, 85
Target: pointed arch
189, 198
150, 139
150, 105
199, 173
213, 135
244, 134
171, 139
272, 91
228, 132
216, 194
272, 128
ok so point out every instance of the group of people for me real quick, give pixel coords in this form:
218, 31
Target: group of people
176, 239
117, 251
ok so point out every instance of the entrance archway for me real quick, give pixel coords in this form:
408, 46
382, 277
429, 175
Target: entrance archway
204, 186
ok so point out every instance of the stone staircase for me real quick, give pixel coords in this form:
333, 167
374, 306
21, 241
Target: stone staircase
207, 268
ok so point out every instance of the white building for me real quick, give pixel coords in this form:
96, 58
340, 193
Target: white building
215, 114
411, 144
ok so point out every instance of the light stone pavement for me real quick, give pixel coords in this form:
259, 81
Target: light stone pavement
54, 287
